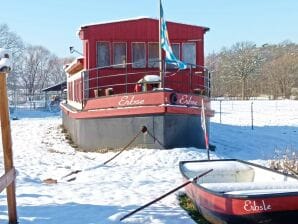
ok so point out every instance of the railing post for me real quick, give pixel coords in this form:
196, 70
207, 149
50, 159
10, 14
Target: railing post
126, 77
7, 148
209, 84
190, 80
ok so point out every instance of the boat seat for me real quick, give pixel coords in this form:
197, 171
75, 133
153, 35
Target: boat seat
251, 187
109, 91
227, 172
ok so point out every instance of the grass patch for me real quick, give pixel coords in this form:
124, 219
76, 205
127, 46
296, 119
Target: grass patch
190, 208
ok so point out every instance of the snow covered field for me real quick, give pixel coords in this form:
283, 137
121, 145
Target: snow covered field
103, 194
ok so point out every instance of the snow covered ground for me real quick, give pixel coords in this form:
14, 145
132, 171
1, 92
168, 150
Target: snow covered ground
103, 194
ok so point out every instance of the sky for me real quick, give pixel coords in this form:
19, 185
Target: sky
54, 23
102, 194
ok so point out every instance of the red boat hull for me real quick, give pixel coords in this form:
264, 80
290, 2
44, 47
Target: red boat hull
112, 121
279, 209
220, 208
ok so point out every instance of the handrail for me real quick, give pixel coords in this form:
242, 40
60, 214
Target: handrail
123, 78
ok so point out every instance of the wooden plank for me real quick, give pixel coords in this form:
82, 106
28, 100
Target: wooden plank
7, 149
7, 179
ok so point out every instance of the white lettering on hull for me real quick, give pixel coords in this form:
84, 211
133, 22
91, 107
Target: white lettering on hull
253, 206
130, 101
187, 100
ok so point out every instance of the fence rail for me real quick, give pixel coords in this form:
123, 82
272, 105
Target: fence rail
7, 179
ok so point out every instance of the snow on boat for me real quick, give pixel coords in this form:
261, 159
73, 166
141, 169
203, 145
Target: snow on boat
241, 192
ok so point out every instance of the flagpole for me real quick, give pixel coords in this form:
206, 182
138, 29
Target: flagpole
204, 127
160, 51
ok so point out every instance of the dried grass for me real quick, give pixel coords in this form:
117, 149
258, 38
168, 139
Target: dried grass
285, 161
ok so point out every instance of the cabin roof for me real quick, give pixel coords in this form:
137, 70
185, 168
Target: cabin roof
135, 19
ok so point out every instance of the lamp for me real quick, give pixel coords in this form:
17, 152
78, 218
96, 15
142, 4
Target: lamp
72, 50
5, 65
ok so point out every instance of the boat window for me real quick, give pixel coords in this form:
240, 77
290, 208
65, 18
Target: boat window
103, 54
153, 55
138, 55
176, 51
189, 53
119, 51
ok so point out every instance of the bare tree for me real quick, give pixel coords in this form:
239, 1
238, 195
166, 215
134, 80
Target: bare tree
35, 68
240, 62
281, 74
57, 73
12, 42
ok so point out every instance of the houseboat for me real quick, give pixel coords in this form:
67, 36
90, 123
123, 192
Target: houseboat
121, 85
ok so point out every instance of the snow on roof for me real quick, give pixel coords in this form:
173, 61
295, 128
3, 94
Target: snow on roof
75, 61
117, 21
131, 19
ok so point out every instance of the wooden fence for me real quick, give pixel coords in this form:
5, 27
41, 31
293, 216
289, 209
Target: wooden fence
8, 179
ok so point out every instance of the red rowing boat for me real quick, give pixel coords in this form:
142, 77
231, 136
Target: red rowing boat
241, 192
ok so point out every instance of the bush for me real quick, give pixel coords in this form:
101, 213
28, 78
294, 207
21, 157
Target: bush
285, 161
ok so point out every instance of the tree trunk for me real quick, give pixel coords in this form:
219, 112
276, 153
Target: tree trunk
243, 80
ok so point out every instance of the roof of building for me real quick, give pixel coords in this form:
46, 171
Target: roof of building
57, 87
75, 66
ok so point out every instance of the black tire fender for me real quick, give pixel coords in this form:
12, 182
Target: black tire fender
173, 98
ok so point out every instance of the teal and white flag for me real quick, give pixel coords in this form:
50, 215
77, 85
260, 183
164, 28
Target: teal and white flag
165, 43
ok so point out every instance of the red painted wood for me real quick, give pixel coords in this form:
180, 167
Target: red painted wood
137, 99
129, 111
241, 206
145, 99
139, 30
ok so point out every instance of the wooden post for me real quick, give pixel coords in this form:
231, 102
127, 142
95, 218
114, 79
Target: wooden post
7, 148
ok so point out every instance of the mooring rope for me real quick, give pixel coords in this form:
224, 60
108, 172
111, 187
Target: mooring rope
155, 139
143, 130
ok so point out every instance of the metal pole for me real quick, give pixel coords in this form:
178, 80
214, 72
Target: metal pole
126, 77
252, 116
160, 51
220, 111
190, 80
7, 148
193, 180
209, 84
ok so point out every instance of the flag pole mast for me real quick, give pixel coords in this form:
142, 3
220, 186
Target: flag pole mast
160, 51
